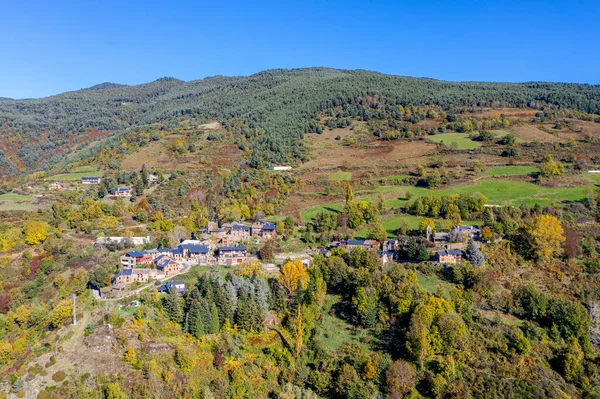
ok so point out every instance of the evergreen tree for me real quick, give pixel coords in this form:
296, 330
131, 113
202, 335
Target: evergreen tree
276, 296
199, 329
412, 248
422, 253
144, 175
215, 324
173, 306
474, 255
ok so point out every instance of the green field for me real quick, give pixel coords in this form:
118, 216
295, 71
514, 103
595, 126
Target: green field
498, 192
12, 197
335, 330
16, 202
77, 173
463, 142
396, 177
510, 171
594, 177
339, 175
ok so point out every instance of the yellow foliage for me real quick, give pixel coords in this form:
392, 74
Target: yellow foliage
5, 351
131, 356
62, 311
21, 315
35, 232
547, 235
8, 239
250, 267
369, 371
293, 276
109, 222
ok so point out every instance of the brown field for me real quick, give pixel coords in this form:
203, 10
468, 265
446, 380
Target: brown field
585, 127
211, 126
157, 154
328, 153
533, 133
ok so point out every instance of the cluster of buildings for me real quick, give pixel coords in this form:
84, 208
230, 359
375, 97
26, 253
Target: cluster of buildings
159, 263
449, 245
232, 233
217, 246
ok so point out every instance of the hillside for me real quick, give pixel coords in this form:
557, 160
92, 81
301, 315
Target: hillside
421, 239
274, 109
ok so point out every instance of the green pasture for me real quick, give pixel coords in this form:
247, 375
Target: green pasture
339, 175
498, 192
463, 142
501, 171
77, 174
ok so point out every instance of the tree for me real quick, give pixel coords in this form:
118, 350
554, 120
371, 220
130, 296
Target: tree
423, 223
349, 194
400, 378
215, 325
550, 168
530, 303
474, 255
293, 276
366, 305
422, 253
279, 227
434, 179
62, 311
98, 277
486, 233
113, 391
131, 356
173, 306
546, 235
377, 232
35, 232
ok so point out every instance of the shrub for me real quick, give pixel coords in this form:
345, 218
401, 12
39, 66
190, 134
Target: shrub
59, 376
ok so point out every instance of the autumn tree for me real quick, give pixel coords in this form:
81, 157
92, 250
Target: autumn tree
293, 276
550, 168
546, 235
62, 312
424, 223
35, 232
400, 378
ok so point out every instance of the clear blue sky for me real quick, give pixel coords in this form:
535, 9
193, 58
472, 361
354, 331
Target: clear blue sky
48, 47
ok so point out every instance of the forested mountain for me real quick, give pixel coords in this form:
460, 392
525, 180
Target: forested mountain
276, 107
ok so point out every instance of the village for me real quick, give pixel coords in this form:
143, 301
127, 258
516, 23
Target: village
226, 246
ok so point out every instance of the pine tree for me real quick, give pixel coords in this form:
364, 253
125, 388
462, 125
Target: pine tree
173, 306
199, 329
215, 325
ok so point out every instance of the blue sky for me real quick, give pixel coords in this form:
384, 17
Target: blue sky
51, 47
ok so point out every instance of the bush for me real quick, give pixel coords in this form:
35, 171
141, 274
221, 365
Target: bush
59, 376
51, 362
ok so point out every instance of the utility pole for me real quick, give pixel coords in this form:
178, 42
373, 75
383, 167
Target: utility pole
74, 309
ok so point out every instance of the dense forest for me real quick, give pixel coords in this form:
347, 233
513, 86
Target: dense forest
274, 108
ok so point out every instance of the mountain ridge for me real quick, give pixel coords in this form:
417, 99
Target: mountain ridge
276, 107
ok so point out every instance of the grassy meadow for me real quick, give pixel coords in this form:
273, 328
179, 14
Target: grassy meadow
462, 140
77, 174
